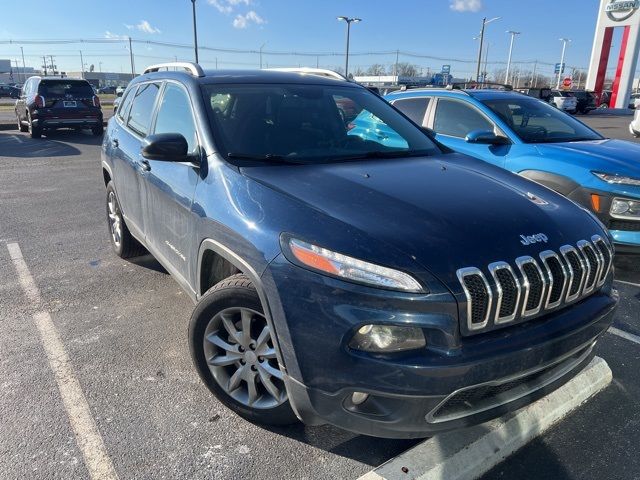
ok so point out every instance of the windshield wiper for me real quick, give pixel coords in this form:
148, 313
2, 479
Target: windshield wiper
382, 154
269, 157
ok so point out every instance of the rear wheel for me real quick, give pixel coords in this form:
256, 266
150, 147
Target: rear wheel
122, 241
21, 127
233, 349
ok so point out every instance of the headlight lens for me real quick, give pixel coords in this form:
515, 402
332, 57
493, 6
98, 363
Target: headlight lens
617, 179
343, 266
625, 208
387, 338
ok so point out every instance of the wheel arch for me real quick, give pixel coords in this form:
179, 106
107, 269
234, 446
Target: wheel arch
558, 183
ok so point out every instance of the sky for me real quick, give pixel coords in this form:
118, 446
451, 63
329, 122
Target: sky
438, 28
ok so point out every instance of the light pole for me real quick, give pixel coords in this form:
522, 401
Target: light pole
513, 35
195, 30
100, 66
24, 78
81, 65
261, 47
346, 59
485, 22
564, 48
486, 60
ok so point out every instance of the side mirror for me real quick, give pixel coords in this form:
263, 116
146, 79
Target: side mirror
166, 147
486, 137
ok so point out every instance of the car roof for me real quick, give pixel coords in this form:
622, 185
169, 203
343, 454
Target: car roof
250, 76
480, 94
66, 79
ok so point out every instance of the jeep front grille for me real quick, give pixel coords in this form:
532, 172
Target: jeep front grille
541, 284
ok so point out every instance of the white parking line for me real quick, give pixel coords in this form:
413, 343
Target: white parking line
626, 335
627, 283
84, 427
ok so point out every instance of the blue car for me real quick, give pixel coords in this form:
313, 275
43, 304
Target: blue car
539, 142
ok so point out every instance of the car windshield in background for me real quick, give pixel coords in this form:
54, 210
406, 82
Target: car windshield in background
61, 88
309, 124
538, 122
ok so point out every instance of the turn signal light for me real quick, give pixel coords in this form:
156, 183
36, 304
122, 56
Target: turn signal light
595, 202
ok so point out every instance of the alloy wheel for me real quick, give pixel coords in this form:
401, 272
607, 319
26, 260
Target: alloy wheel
115, 219
241, 356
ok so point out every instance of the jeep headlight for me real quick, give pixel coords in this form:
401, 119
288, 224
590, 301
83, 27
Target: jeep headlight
625, 208
387, 338
617, 179
342, 266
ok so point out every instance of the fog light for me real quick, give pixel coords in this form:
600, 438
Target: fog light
624, 208
359, 397
387, 338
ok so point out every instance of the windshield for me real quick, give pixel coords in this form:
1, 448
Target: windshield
309, 124
534, 121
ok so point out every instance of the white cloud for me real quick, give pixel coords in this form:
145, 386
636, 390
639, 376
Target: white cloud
146, 27
129, 27
221, 5
239, 2
114, 36
465, 5
243, 21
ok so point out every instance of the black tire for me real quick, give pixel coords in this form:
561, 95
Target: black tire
127, 246
236, 291
97, 131
21, 127
34, 132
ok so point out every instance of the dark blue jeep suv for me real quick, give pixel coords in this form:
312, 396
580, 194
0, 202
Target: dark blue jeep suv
394, 291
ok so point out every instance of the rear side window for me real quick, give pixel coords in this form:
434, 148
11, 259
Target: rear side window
414, 108
457, 119
64, 88
123, 108
142, 108
175, 115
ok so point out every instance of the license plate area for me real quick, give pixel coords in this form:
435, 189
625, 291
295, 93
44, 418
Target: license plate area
69, 103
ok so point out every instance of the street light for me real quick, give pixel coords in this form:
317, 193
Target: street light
513, 35
346, 60
564, 48
195, 30
485, 22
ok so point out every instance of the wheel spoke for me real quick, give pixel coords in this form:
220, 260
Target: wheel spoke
235, 379
223, 360
219, 342
231, 328
263, 338
266, 352
268, 384
251, 386
246, 315
274, 372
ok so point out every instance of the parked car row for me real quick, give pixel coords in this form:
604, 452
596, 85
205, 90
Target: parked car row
10, 91
349, 267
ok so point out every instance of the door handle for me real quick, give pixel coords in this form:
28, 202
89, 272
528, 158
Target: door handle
144, 164
115, 143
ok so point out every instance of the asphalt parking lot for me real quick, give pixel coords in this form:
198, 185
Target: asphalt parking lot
123, 326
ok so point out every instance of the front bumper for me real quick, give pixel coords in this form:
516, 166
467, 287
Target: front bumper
418, 393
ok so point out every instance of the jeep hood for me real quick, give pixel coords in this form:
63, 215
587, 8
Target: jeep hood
444, 212
609, 156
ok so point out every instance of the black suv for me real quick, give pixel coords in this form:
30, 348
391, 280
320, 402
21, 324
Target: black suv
586, 100
49, 103
373, 279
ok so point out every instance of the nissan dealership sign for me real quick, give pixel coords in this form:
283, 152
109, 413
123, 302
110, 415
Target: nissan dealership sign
619, 10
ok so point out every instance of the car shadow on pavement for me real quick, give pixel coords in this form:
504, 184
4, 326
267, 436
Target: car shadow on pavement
627, 268
148, 261
20, 145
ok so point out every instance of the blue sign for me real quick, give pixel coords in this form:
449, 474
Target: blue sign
559, 68
446, 69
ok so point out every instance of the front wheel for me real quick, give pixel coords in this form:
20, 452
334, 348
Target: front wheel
21, 127
34, 132
233, 349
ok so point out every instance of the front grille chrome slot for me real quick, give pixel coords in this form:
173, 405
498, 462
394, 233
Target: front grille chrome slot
557, 275
534, 283
508, 292
606, 257
592, 264
576, 269
469, 278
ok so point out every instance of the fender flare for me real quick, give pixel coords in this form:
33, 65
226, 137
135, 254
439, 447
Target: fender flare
558, 183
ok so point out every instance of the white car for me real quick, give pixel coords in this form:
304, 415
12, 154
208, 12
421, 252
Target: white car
634, 126
564, 101
634, 101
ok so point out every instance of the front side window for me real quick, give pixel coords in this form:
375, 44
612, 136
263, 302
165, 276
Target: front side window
535, 121
457, 119
175, 115
414, 108
142, 108
309, 124
123, 108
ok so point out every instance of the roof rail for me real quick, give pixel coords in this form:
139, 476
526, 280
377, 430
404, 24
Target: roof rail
322, 72
193, 68
472, 85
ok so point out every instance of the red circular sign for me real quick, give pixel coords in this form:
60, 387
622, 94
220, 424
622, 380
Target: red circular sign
566, 82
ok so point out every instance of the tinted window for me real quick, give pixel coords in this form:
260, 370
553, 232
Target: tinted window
414, 108
538, 122
309, 123
61, 88
457, 119
125, 103
175, 115
142, 108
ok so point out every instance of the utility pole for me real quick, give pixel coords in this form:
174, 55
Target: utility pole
534, 80
486, 59
564, 48
53, 66
81, 65
195, 30
346, 57
395, 67
44, 65
484, 24
24, 75
133, 68
261, 47
513, 35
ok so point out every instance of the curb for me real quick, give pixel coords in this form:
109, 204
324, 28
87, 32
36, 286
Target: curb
469, 453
